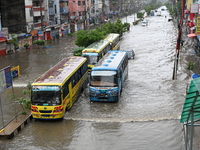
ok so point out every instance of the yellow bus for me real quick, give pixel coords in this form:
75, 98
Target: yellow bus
114, 40
55, 91
95, 52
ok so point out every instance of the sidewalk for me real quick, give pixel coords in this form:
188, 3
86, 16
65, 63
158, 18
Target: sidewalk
15, 126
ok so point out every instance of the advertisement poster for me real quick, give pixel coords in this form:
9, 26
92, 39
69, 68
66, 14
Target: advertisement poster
5, 79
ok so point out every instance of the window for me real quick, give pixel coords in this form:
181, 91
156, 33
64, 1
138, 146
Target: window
65, 89
79, 3
31, 12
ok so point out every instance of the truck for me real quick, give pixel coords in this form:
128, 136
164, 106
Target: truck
152, 13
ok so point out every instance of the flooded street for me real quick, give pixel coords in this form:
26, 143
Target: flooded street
146, 116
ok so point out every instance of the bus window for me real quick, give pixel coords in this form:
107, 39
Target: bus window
48, 97
65, 89
105, 79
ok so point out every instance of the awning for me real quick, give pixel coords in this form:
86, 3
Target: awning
191, 111
191, 35
191, 107
34, 32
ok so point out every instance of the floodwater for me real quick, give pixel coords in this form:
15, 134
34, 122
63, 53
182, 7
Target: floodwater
146, 116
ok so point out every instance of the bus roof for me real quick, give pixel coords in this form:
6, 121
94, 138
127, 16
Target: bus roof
111, 37
96, 47
110, 61
61, 71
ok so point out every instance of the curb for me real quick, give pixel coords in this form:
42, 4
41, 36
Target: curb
15, 126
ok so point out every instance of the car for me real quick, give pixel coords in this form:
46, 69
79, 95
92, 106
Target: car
130, 53
144, 23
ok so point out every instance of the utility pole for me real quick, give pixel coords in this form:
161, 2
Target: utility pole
85, 15
41, 15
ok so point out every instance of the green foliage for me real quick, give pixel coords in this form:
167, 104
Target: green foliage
26, 45
78, 51
86, 37
140, 14
136, 22
57, 36
50, 41
14, 40
40, 42
119, 27
190, 66
70, 34
152, 5
175, 10
24, 100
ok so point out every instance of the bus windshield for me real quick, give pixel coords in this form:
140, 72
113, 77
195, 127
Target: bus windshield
45, 96
103, 78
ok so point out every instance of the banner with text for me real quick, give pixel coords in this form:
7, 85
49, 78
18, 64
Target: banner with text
5, 79
198, 26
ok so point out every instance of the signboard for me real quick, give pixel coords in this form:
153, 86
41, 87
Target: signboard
198, 26
194, 8
5, 79
5, 31
198, 9
15, 72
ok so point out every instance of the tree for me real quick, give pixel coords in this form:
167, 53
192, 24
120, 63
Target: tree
86, 37
14, 41
40, 42
140, 15
24, 101
78, 51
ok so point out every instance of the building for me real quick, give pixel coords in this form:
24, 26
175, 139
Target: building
13, 15
77, 14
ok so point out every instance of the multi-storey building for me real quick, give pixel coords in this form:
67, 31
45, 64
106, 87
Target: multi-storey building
53, 16
77, 14
13, 15
40, 14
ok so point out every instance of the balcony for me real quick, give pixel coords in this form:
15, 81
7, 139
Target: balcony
38, 24
37, 11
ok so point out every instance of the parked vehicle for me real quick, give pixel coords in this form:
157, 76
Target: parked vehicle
158, 13
144, 23
95, 51
130, 53
114, 40
152, 12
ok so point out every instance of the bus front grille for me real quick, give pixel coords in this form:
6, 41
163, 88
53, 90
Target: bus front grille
45, 111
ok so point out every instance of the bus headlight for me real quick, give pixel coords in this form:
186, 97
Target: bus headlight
93, 92
58, 109
113, 92
34, 109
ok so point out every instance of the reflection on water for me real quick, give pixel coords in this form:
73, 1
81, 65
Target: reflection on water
79, 135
